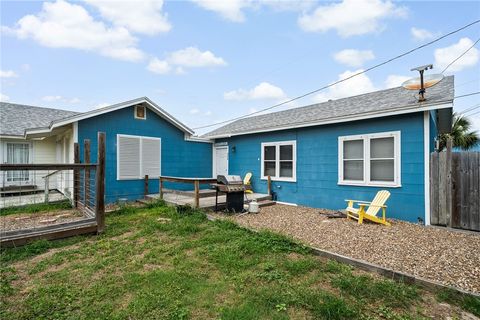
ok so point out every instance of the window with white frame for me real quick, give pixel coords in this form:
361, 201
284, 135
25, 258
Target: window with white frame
138, 156
279, 160
370, 159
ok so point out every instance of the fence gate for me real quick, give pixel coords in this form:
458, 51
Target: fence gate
455, 189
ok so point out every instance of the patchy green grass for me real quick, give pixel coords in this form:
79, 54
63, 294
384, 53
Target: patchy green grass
35, 208
185, 267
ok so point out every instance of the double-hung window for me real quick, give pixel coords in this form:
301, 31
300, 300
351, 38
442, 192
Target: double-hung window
370, 159
279, 160
138, 156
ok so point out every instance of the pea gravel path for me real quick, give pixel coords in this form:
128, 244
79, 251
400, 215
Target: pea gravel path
452, 258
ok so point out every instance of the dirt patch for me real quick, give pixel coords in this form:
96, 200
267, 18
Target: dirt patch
451, 258
22, 221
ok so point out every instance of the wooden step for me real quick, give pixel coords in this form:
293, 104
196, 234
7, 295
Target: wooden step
20, 191
266, 203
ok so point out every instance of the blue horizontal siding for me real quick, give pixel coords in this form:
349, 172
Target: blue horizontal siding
180, 158
317, 165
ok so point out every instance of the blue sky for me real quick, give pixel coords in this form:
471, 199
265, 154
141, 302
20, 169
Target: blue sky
208, 61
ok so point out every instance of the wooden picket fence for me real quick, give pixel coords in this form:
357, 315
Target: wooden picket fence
455, 189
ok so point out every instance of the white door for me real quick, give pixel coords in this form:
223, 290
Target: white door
17, 153
221, 160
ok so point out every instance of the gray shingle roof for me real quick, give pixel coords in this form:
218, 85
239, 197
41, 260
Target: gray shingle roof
374, 103
16, 118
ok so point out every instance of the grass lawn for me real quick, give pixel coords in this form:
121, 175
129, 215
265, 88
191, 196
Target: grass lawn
36, 208
187, 267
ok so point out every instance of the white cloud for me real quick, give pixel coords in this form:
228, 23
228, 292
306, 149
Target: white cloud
443, 56
354, 58
264, 90
64, 25
233, 10
51, 98
352, 87
101, 105
144, 16
190, 57
4, 97
208, 113
475, 120
8, 74
395, 80
351, 17
194, 111
60, 99
229, 10
159, 66
421, 34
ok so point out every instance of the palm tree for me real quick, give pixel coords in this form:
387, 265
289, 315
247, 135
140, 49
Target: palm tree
462, 136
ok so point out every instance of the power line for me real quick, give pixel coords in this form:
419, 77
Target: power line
467, 95
343, 80
470, 109
473, 113
464, 53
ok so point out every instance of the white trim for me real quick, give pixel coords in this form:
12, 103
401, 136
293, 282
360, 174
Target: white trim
214, 158
372, 115
144, 112
97, 112
12, 137
197, 139
75, 132
140, 155
366, 160
277, 145
426, 160
287, 203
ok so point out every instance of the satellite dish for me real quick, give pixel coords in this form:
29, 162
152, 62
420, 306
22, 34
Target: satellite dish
428, 81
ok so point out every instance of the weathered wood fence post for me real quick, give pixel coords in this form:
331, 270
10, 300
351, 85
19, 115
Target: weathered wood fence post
449, 185
100, 180
86, 159
76, 174
161, 188
197, 193
145, 187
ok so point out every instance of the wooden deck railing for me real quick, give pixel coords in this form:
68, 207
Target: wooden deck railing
195, 181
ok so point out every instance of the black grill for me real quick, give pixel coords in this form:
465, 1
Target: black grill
234, 189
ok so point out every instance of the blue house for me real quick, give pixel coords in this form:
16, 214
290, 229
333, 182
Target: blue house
350, 148
316, 156
141, 139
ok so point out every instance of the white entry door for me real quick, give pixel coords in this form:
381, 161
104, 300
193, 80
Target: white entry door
221, 160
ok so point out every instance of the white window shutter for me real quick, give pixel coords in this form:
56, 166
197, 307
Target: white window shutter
151, 157
128, 157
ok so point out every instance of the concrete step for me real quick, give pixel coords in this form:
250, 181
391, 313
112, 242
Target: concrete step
266, 203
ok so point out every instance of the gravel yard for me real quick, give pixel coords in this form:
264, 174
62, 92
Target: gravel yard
452, 258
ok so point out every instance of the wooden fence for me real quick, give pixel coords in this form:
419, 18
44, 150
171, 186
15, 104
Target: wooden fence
88, 198
455, 189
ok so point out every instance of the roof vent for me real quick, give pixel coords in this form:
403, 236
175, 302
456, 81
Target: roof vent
422, 82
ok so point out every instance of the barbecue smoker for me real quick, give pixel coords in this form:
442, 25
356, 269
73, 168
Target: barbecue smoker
234, 189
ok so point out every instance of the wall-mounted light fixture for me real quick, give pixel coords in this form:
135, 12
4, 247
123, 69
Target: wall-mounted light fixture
234, 149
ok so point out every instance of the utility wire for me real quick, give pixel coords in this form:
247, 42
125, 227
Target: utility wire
469, 109
474, 113
345, 79
467, 95
464, 53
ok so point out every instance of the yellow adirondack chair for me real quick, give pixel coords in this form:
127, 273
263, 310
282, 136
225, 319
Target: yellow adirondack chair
373, 207
247, 182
